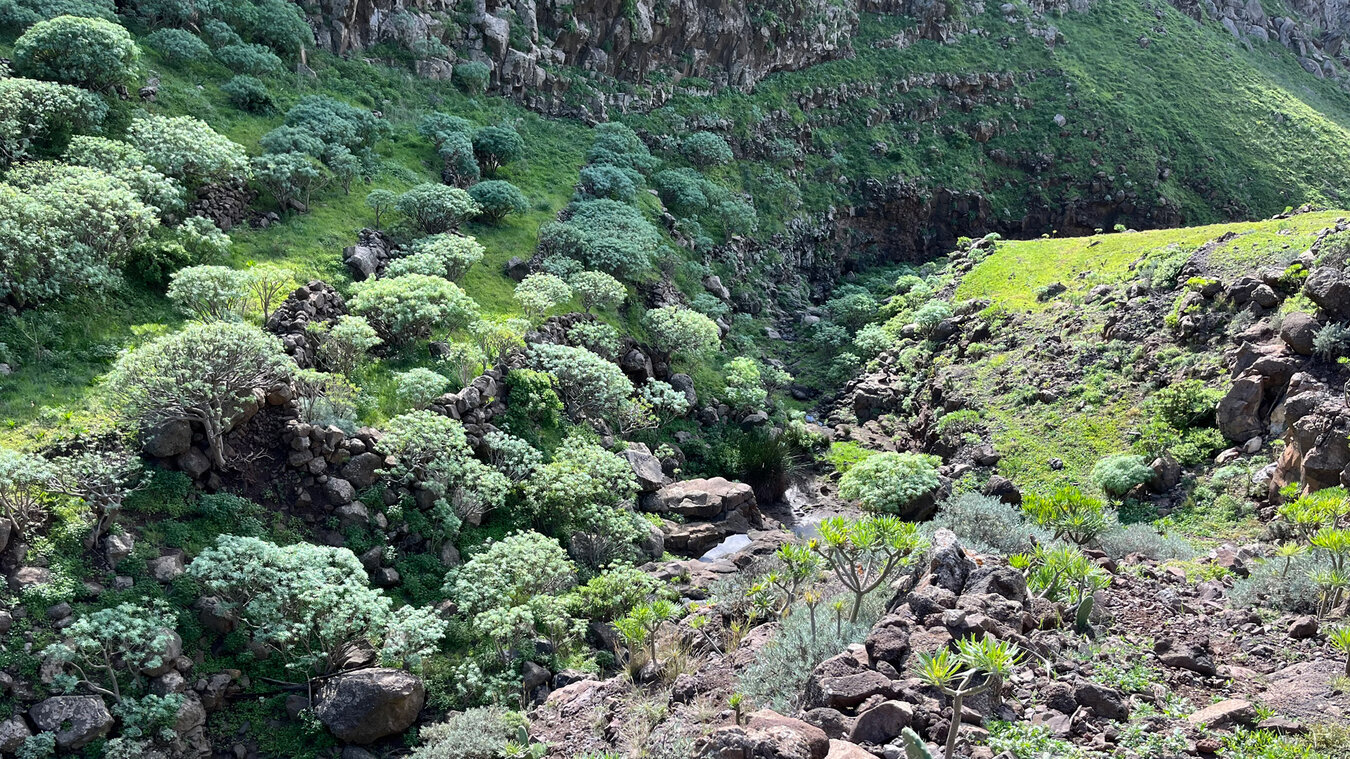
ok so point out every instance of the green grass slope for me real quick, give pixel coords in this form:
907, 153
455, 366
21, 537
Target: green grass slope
1220, 131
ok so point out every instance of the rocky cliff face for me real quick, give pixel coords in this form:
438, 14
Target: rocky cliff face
655, 43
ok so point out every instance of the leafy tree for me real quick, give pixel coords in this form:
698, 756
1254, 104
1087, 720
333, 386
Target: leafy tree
268, 285
515, 458
853, 310
682, 332
345, 344
26, 481
496, 146
102, 480
310, 604
431, 452
210, 293
706, 149
664, 400
533, 394
978, 665
928, 316
682, 191
496, 337
597, 289
472, 76
322, 398
438, 126
187, 149
128, 164
292, 139
337, 123
890, 482
435, 208
88, 52
200, 374
641, 624
511, 590
1340, 640
605, 181
178, 46
581, 489
288, 177
453, 254
380, 201
459, 165
596, 336
865, 553
604, 235
409, 308
872, 339
248, 58
64, 229
498, 199
589, 385
540, 293
247, 93
345, 167
616, 144
420, 386
745, 388
101, 649
1063, 574
36, 114
21, 14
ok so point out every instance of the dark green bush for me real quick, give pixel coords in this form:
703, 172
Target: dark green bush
248, 93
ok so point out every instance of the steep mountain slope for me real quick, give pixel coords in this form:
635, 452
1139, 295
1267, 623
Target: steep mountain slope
663, 380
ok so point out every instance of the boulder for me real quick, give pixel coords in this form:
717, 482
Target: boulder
948, 565
13, 731
360, 470
1225, 714
168, 439
27, 577
846, 750
167, 568
369, 704
1193, 655
339, 491
646, 467
849, 691
1328, 288
997, 580
766, 735
832, 721
118, 546
1303, 627
168, 654
1297, 330
701, 498
1239, 411
888, 641
76, 720
882, 723
1105, 701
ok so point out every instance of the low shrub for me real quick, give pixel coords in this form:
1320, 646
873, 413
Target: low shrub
1145, 541
989, 525
1118, 475
248, 93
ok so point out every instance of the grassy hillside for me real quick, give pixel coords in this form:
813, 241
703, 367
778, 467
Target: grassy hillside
1197, 118
1014, 275
1056, 394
